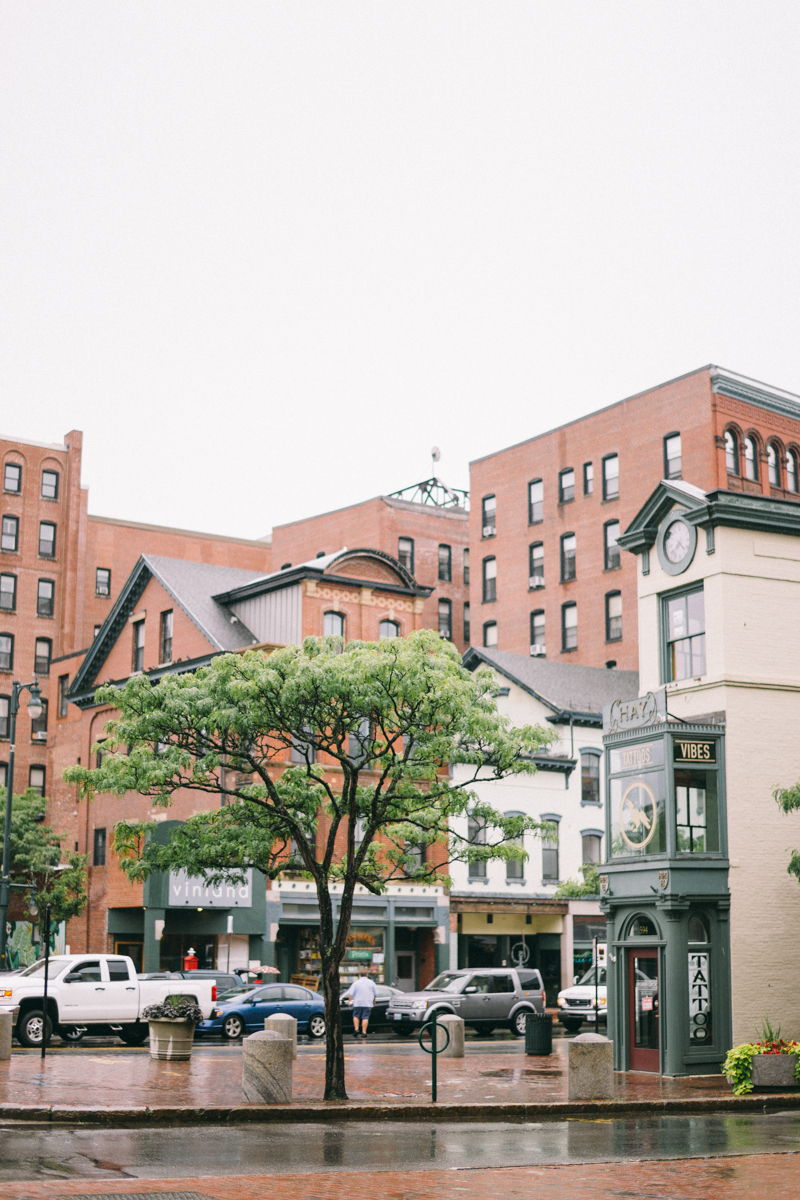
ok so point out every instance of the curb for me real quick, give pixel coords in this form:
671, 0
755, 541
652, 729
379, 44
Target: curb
347, 1111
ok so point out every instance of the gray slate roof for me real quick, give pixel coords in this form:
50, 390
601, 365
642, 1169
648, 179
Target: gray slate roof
561, 685
193, 585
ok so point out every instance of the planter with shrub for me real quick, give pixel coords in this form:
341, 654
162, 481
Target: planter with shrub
772, 1064
172, 1027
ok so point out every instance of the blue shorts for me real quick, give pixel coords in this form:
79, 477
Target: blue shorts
362, 1014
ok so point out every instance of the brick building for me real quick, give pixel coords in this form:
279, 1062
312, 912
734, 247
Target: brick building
60, 571
424, 527
548, 577
172, 616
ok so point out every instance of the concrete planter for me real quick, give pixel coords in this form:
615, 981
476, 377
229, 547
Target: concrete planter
774, 1072
171, 1040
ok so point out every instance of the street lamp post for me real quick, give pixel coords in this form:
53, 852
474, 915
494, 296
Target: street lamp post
35, 710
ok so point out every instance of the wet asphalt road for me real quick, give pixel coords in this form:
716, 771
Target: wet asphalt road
30, 1152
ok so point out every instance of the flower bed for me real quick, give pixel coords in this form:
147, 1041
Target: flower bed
738, 1065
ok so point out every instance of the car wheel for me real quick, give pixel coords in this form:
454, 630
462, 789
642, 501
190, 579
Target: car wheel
403, 1030
487, 1030
232, 1028
519, 1021
135, 1035
571, 1026
32, 1027
71, 1034
316, 1026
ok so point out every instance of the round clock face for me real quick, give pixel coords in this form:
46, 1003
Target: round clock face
677, 541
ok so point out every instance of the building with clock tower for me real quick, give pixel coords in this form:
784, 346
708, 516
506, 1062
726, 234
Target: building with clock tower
702, 914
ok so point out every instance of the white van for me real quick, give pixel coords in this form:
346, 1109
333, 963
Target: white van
576, 1004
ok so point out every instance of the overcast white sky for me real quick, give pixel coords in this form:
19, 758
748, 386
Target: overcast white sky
267, 254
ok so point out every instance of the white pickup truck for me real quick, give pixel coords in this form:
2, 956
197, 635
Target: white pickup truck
91, 992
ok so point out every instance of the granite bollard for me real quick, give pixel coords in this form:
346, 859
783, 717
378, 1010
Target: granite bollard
455, 1027
283, 1023
591, 1067
5, 1036
267, 1068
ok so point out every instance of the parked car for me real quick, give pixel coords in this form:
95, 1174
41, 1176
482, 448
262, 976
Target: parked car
244, 1009
378, 1018
576, 1004
89, 992
222, 980
484, 998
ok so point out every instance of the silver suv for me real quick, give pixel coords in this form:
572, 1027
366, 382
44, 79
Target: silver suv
484, 997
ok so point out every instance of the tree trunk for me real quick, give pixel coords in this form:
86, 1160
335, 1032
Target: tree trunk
334, 1045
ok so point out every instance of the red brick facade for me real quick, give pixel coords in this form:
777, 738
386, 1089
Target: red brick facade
634, 430
379, 524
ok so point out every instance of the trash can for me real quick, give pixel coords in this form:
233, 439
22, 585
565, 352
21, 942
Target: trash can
539, 1033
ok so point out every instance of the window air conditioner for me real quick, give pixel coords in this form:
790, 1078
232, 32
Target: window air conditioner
536, 581
538, 651
40, 736
489, 531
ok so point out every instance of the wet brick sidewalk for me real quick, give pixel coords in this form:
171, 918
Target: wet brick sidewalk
125, 1078
768, 1177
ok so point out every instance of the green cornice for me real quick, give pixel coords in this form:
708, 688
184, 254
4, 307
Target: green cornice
736, 510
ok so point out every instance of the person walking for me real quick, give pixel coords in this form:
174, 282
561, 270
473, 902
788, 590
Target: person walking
362, 992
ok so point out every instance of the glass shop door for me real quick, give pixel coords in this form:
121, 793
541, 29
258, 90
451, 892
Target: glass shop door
643, 1010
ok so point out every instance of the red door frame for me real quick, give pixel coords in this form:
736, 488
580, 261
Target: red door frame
640, 1059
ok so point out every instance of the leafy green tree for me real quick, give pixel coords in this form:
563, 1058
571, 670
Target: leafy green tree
373, 728
574, 889
35, 855
788, 800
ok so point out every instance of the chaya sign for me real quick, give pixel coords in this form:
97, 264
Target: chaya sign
635, 714
191, 891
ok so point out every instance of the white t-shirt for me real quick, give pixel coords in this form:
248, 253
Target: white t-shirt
363, 991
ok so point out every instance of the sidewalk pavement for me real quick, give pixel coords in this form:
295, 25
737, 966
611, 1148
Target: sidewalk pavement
768, 1176
125, 1083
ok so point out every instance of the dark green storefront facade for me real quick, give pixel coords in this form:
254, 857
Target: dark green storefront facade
664, 890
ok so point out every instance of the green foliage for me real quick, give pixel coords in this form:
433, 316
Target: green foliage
376, 725
573, 889
738, 1065
767, 1033
175, 1008
36, 851
788, 800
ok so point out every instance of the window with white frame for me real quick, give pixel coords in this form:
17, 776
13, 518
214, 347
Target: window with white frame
611, 477
535, 502
333, 624
569, 627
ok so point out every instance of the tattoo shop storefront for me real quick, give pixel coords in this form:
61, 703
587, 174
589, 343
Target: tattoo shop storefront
665, 892
400, 938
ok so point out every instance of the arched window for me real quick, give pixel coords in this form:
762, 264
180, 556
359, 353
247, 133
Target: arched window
731, 452
642, 927
751, 458
389, 629
773, 465
698, 930
333, 624
792, 471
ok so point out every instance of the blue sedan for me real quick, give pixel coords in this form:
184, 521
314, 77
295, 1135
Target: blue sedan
244, 1010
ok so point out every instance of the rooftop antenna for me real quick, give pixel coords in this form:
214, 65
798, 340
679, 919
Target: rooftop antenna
436, 454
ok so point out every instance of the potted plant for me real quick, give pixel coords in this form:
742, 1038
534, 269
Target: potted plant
770, 1064
172, 1027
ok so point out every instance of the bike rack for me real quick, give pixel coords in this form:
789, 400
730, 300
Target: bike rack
434, 1048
